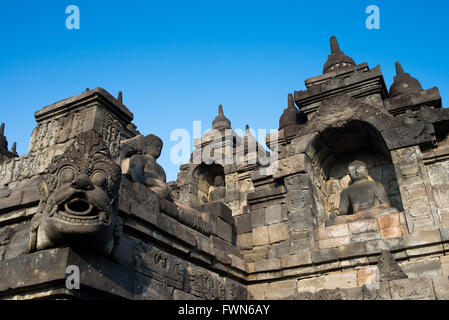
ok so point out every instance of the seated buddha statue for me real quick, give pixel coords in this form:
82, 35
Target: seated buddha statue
139, 155
217, 192
363, 194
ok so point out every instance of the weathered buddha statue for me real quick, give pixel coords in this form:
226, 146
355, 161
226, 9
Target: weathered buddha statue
363, 194
138, 161
78, 199
217, 192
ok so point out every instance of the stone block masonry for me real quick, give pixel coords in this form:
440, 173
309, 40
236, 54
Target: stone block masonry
349, 204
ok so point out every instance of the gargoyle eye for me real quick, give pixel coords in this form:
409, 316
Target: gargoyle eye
99, 178
67, 175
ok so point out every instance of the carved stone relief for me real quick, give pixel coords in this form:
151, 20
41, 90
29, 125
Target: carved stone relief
205, 284
160, 265
235, 290
439, 180
412, 184
412, 289
389, 269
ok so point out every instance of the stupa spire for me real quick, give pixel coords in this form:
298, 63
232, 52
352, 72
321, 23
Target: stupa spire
334, 45
403, 82
291, 102
220, 121
399, 69
337, 59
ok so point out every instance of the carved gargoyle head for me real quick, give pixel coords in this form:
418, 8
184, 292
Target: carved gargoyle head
78, 198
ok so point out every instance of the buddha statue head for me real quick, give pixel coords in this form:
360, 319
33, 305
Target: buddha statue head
152, 146
357, 171
218, 181
217, 192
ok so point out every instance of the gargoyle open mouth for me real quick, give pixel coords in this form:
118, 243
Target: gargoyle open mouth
78, 207
78, 198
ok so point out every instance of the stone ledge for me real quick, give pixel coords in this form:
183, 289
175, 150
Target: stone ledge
174, 228
295, 260
429, 97
376, 246
218, 209
352, 285
341, 286
14, 200
367, 214
267, 265
422, 238
12, 216
331, 259
43, 267
424, 251
80, 99
275, 192
30, 276
209, 250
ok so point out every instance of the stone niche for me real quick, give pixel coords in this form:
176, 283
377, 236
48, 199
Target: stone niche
333, 149
203, 178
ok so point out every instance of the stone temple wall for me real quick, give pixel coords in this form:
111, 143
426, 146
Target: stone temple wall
269, 230
59, 123
303, 254
163, 252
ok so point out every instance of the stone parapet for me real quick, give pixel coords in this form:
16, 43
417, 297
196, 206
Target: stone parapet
156, 275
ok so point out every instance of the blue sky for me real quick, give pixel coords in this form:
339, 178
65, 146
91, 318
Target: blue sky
175, 61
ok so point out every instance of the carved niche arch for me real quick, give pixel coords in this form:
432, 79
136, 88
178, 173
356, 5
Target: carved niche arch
343, 130
203, 177
337, 111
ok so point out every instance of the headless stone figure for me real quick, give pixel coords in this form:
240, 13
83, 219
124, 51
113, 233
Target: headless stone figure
218, 191
139, 156
362, 194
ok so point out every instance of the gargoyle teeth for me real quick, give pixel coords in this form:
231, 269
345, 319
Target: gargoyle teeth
63, 217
